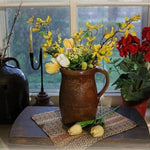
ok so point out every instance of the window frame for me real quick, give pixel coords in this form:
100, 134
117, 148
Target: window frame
73, 5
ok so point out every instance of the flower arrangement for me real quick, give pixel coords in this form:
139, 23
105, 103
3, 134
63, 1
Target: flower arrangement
134, 68
81, 52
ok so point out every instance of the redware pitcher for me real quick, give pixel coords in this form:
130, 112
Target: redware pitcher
78, 97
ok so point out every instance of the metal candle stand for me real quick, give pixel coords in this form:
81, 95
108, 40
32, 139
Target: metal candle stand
42, 98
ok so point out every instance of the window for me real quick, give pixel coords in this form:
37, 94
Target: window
67, 16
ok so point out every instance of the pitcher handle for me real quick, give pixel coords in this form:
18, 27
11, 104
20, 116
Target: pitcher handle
12, 59
100, 93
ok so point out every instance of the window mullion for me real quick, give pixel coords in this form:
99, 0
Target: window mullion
148, 16
2, 26
73, 16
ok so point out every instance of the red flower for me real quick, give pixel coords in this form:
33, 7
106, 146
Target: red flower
129, 45
147, 56
145, 47
146, 33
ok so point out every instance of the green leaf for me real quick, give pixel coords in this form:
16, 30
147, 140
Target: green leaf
90, 122
118, 24
42, 33
87, 34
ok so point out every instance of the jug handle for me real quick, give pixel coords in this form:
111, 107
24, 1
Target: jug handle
100, 93
14, 59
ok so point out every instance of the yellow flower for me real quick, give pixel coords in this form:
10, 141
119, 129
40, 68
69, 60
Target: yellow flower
106, 59
90, 40
90, 66
60, 50
40, 21
55, 45
35, 29
51, 67
97, 131
96, 27
75, 129
84, 65
30, 19
49, 42
48, 20
44, 47
68, 43
59, 38
135, 18
78, 36
111, 34
95, 49
49, 34
45, 54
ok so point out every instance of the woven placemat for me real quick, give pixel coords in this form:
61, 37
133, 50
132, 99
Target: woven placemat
50, 123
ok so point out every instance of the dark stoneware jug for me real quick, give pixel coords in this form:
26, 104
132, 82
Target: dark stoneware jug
14, 90
78, 96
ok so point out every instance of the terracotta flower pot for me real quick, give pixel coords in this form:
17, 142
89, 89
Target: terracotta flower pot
140, 106
78, 97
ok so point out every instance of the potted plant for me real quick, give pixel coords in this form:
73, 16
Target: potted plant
134, 70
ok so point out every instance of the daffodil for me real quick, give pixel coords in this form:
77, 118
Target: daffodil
51, 67
68, 43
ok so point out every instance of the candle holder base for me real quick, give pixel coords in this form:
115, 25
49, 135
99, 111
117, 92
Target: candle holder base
42, 99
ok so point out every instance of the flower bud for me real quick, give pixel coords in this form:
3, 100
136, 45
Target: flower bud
63, 60
51, 67
75, 129
68, 43
84, 65
97, 131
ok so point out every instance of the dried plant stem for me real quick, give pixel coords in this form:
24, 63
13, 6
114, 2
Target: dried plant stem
11, 31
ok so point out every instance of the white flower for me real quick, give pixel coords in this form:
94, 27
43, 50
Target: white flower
54, 60
63, 60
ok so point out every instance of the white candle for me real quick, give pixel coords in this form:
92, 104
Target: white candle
30, 40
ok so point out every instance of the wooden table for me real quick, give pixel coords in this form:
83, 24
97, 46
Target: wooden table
25, 131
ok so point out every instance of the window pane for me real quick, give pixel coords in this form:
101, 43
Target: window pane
20, 41
109, 16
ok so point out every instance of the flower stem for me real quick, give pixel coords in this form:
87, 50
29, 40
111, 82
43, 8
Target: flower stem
88, 122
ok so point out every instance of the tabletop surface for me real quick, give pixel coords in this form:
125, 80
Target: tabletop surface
25, 131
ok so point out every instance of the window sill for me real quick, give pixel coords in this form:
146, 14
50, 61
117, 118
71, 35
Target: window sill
109, 99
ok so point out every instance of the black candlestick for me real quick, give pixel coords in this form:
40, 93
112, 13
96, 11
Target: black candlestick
42, 98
